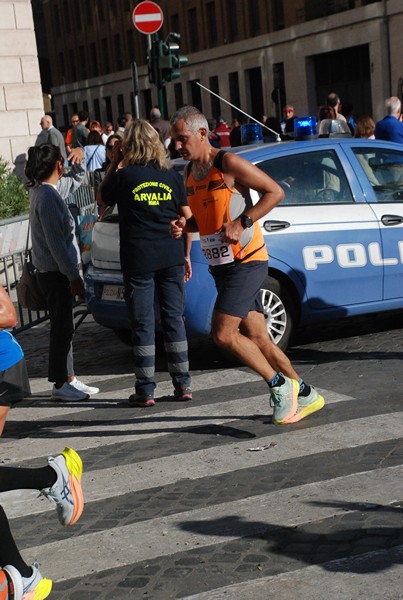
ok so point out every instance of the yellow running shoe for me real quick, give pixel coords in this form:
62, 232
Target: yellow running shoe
307, 405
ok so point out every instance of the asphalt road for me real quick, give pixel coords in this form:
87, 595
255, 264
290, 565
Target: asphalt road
209, 499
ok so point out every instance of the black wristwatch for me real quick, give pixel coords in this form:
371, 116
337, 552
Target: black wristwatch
246, 221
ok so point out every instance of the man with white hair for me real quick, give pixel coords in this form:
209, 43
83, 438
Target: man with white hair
390, 128
163, 127
51, 135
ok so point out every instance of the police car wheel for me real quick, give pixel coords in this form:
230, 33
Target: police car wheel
279, 311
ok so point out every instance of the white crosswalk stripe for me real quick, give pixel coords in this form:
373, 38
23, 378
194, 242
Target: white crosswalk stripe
208, 526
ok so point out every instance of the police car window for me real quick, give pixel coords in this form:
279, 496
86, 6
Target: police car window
384, 170
310, 178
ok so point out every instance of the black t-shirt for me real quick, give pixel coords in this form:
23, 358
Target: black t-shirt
148, 198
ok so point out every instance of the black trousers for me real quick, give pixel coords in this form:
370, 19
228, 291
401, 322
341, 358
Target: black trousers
55, 287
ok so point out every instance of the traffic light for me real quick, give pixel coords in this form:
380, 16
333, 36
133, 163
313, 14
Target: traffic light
170, 61
153, 59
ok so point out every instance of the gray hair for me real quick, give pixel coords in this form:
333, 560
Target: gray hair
193, 118
393, 105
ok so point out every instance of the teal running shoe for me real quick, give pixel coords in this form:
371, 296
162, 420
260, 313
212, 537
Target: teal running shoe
284, 400
307, 405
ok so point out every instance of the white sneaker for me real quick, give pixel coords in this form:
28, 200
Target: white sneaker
68, 393
81, 387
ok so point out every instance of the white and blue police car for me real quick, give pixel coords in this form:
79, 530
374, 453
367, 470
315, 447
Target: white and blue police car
335, 242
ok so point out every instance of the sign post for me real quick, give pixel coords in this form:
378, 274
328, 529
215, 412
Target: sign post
148, 19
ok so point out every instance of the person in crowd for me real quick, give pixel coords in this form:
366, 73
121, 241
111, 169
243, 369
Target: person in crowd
96, 125
365, 128
223, 132
60, 482
74, 121
333, 101
218, 184
108, 130
347, 111
275, 126
160, 124
14, 383
326, 112
80, 131
51, 135
235, 137
213, 137
94, 151
390, 128
149, 194
56, 256
99, 174
120, 124
288, 113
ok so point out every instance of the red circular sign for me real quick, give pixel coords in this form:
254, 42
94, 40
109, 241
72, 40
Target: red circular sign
148, 17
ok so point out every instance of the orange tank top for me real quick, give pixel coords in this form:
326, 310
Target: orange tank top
213, 203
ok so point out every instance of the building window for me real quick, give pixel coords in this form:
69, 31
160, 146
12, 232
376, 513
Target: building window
105, 55
193, 26
254, 18
66, 15
88, 13
118, 52
278, 14
147, 101
215, 102
130, 44
94, 60
121, 105
101, 12
83, 63
108, 108
232, 20
235, 97
211, 24
61, 63
97, 110
66, 120
57, 22
278, 94
194, 92
175, 23
178, 95
72, 66
85, 107
77, 12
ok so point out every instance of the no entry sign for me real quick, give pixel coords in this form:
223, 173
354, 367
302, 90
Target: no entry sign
148, 17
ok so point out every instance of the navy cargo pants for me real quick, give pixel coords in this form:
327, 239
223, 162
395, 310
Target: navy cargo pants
169, 288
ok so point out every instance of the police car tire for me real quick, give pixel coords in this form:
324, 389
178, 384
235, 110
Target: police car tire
285, 309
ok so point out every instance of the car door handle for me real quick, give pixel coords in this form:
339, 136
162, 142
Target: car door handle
389, 220
275, 225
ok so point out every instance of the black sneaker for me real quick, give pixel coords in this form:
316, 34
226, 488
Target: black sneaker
144, 401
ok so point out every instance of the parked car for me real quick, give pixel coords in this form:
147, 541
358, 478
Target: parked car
335, 241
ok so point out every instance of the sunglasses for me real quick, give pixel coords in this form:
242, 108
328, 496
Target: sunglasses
76, 121
109, 147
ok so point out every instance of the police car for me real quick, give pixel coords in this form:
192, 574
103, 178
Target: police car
335, 242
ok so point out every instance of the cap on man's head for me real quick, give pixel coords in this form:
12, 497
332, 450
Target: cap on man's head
221, 119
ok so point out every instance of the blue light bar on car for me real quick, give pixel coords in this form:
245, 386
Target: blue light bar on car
305, 128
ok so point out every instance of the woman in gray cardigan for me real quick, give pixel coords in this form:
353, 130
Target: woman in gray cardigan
56, 256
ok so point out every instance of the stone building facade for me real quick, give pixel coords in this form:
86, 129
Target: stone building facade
256, 54
21, 101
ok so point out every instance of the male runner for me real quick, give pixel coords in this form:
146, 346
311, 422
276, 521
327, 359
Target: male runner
217, 185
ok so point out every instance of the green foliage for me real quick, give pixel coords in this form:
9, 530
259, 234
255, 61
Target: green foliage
14, 198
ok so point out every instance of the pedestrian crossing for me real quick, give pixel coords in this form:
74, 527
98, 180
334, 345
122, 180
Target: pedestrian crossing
209, 500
